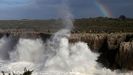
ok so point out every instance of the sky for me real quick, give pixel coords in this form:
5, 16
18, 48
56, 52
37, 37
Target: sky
49, 9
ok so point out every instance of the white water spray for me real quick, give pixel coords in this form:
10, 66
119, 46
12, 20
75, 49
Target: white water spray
58, 58
55, 57
65, 58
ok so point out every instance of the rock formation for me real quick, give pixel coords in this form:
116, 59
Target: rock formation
114, 40
94, 41
125, 55
116, 50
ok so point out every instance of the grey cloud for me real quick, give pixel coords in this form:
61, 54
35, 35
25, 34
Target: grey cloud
44, 9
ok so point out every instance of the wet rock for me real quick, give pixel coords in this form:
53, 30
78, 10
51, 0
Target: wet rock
125, 55
94, 41
116, 49
114, 40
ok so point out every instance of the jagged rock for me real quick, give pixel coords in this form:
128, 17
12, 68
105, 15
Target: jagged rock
124, 57
114, 40
74, 38
114, 48
94, 41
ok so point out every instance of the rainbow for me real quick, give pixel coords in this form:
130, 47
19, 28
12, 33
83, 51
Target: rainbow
103, 8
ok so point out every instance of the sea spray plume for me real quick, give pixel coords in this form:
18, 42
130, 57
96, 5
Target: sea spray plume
65, 15
28, 50
71, 58
6, 46
27, 53
67, 22
55, 57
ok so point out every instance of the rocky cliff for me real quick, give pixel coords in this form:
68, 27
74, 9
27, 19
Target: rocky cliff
116, 49
124, 56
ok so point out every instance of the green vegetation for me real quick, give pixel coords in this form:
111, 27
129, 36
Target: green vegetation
91, 25
102, 24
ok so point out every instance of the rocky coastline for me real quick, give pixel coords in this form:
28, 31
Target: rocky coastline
116, 49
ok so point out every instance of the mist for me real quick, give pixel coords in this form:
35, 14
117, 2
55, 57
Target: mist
56, 56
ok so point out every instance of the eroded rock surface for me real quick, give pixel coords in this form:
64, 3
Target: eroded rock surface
114, 40
94, 41
116, 49
125, 55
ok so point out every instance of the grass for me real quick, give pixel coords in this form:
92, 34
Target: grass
91, 25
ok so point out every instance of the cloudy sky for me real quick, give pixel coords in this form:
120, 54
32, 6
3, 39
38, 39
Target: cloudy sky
48, 9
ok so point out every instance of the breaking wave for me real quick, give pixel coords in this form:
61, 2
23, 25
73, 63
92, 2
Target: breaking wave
56, 56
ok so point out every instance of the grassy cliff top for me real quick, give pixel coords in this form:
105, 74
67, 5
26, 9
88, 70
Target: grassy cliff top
91, 25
